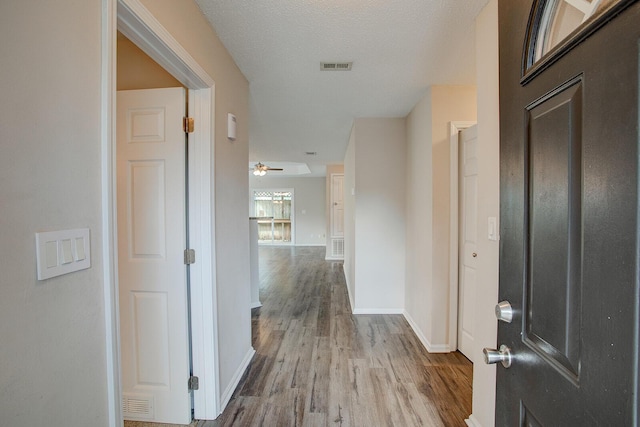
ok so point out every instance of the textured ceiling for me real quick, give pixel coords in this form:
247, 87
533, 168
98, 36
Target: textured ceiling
398, 49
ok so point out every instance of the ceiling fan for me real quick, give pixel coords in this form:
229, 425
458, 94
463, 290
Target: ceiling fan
261, 170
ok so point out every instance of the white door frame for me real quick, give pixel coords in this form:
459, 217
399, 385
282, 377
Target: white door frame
142, 28
454, 128
331, 217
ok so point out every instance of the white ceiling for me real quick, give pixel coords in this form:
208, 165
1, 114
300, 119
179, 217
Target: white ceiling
398, 47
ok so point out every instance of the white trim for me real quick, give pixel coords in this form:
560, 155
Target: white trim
137, 23
333, 259
145, 31
109, 253
472, 421
378, 310
454, 128
256, 304
301, 245
332, 236
204, 323
237, 376
431, 348
346, 281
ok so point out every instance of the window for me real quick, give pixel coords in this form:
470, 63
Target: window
556, 26
273, 209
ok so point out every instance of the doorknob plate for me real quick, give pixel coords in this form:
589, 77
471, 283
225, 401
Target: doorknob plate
502, 355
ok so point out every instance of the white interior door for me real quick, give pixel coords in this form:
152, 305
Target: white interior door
151, 240
337, 205
468, 235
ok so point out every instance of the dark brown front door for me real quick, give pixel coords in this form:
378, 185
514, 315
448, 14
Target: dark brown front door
569, 219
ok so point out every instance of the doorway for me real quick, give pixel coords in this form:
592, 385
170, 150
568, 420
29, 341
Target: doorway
152, 234
455, 127
336, 217
135, 22
468, 238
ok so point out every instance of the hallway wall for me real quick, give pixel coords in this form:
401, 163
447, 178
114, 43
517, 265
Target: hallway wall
484, 376
375, 215
53, 355
52, 332
350, 217
428, 210
187, 24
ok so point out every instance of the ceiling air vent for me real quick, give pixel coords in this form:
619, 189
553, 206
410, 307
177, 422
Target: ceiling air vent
311, 153
335, 66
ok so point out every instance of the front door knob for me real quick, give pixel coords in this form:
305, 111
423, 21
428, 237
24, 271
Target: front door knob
503, 355
504, 311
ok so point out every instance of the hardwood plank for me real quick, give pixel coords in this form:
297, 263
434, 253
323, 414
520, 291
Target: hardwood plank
316, 364
318, 387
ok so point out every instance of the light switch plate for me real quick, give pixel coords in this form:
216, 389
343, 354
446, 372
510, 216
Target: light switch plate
61, 252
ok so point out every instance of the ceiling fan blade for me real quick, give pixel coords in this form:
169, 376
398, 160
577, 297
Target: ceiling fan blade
274, 169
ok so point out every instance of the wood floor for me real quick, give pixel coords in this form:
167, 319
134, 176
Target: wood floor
316, 364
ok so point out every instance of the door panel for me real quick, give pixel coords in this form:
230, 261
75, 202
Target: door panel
468, 236
151, 270
145, 190
553, 283
569, 208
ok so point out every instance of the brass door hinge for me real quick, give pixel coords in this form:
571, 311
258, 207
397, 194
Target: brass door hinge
187, 124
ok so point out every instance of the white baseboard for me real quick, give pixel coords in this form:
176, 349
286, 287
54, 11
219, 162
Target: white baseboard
378, 311
346, 280
333, 259
256, 304
472, 421
237, 376
431, 348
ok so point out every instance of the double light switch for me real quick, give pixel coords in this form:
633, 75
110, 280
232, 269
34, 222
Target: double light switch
61, 252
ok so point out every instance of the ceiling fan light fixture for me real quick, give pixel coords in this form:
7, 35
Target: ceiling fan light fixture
261, 170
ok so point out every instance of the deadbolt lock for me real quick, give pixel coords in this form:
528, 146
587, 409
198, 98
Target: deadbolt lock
504, 311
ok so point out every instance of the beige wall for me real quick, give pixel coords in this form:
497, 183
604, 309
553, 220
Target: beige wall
484, 376
52, 358
136, 70
186, 23
418, 294
427, 287
378, 212
449, 103
52, 332
350, 216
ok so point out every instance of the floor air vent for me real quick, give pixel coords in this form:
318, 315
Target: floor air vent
337, 248
138, 406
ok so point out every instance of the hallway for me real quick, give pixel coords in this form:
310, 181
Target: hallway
316, 364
